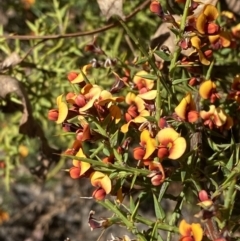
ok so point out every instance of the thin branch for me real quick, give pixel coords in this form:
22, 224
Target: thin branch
78, 34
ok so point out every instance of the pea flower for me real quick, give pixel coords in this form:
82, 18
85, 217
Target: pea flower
171, 144
223, 39
190, 232
60, 114
196, 43
79, 167
207, 90
103, 184
148, 146
204, 23
235, 30
186, 109
143, 84
79, 78
102, 101
136, 112
215, 117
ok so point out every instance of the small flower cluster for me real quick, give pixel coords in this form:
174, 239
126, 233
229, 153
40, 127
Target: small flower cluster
92, 102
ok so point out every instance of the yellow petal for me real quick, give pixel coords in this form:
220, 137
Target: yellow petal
206, 114
149, 95
210, 12
138, 119
200, 23
137, 79
59, 100
130, 98
85, 166
206, 88
63, 112
124, 128
225, 38
202, 58
196, 42
100, 179
106, 184
80, 77
139, 103
178, 148
181, 109
184, 228
150, 144
197, 231
167, 134
88, 105
222, 116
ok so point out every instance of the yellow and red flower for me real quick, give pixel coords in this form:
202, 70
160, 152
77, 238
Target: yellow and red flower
148, 146
143, 84
75, 78
136, 112
203, 56
102, 101
223, 39
215, 117
236, 31
186, 109
171, 144
204, 23
207, 90
190, 232
103, 184
60, 114
79, 167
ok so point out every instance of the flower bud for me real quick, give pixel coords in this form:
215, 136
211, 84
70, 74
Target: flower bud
203, 196
53, 114
156, 8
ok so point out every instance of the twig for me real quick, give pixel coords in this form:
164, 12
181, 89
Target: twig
78, 34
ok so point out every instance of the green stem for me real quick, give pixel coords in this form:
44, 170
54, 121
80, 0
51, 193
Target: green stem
119, 213
161, 226
176, 213
7, 174
101, 146
158, 101
182, 26
208, 74
110, 166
